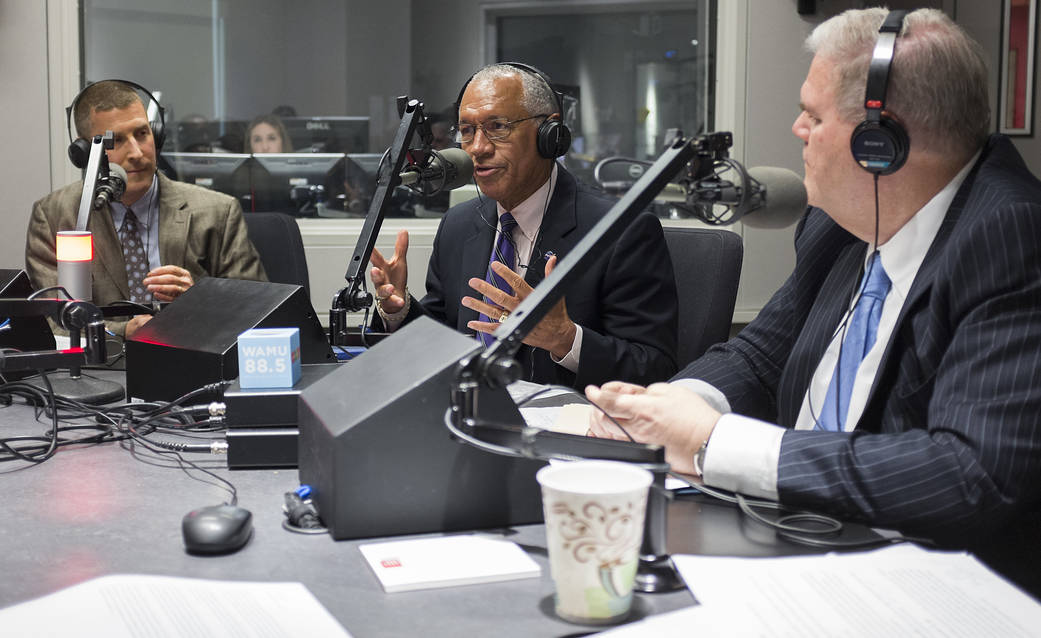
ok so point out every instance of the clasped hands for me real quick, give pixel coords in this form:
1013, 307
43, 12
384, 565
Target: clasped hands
555, 333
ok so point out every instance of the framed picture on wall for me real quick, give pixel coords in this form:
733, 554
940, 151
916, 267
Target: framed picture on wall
1016, 97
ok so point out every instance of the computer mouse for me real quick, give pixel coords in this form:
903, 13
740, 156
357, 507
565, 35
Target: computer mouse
216, 529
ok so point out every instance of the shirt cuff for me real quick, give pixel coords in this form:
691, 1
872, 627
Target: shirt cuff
570, 360
393, 321
742, 456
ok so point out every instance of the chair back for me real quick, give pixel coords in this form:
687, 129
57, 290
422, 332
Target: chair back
707, 263
276, 237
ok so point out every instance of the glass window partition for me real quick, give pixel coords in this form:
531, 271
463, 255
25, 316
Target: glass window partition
252, 77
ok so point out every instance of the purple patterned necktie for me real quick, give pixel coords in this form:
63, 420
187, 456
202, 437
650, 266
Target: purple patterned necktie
135, 258
507, 254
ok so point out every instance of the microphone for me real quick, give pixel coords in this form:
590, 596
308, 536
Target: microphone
112, 187
445, 170
671, 192
763, 197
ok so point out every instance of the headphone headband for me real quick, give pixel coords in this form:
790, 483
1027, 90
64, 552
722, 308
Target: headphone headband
881, 62
553, 137
880, 143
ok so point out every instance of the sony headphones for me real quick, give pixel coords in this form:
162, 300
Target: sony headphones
79, 148
553, 137
880, 143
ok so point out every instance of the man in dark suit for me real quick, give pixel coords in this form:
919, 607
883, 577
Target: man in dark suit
937, 431
184, 232
617, 321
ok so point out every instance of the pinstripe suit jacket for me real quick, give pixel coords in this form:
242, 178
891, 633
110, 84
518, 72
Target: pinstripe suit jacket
949, 445
626, 302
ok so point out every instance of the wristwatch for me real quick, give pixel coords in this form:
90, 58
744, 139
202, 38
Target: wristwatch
699, 459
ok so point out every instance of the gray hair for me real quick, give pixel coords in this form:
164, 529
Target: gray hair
537, 96
937, 82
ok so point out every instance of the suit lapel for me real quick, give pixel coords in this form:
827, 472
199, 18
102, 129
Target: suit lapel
173, 222
560, 218
476, 251
924, 278
831, 304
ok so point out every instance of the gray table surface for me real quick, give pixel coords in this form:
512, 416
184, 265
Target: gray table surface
94, 510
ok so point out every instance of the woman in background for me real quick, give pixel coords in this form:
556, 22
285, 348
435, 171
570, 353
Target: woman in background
267, 134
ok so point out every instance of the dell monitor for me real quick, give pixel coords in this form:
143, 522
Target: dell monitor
328, 134
224, 172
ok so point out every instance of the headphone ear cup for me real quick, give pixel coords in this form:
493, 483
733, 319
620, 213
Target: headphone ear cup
553, 139
158, 134
79, 153
880, 147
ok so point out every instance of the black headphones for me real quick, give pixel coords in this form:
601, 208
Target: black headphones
880, 143
79, 148
553, 137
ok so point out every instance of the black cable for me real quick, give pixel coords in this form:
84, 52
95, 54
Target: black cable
110, 422
39, 292
51, 446
185, 464
857, 288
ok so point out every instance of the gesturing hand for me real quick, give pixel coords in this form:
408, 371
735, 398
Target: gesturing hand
555, 332
390, 276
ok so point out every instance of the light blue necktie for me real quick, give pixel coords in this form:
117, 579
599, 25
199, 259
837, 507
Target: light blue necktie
860, 336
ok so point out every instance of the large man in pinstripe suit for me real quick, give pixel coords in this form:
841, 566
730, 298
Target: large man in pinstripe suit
942, 437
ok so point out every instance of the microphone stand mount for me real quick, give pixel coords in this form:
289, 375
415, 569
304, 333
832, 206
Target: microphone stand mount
77, 317
354, 297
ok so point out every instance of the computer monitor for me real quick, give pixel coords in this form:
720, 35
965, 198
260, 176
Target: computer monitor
360, 180
193, 136
224, 172
296, 183
339, 134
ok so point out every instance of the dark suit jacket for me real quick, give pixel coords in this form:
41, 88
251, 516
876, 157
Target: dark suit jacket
626, 303
199, 230
949, 445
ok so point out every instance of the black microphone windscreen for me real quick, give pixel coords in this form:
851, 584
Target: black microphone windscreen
118, 179
785, 198
463, 166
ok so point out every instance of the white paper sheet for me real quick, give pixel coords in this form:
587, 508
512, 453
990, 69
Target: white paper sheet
896, 591
132, 606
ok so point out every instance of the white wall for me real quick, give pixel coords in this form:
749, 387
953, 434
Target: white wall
25, 165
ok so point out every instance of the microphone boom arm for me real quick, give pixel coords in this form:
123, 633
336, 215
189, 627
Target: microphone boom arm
496, 364
97, 168
353, 297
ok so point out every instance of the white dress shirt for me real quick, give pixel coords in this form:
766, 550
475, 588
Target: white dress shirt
743, 452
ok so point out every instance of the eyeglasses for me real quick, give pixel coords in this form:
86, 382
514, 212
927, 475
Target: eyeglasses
495, 129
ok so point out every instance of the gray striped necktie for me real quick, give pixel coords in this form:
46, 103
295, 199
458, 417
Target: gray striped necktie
135, 257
